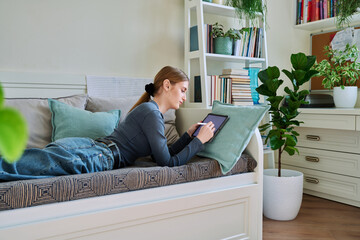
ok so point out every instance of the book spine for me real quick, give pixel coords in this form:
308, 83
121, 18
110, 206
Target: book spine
310, 2
197, 89
325, 9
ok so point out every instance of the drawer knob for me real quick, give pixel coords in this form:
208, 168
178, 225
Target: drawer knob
312, 137
312, 180
312, 159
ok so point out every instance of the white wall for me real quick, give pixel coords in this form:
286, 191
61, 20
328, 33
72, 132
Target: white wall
283, 39
100, 37
116, 37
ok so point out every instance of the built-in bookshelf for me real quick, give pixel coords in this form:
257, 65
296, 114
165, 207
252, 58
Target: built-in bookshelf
314, 15
203, 66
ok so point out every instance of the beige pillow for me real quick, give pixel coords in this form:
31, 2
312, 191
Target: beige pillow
101, 104
38, 116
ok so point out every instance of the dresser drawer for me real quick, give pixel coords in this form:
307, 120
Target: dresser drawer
329, 121
335, 140
329, 183
328, 161
358, 123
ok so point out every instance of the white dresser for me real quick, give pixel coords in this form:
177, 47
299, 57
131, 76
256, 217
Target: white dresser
329, 146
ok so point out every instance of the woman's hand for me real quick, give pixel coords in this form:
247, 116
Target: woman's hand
192, 129
206, 132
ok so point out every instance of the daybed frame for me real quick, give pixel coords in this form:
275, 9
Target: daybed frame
220, 208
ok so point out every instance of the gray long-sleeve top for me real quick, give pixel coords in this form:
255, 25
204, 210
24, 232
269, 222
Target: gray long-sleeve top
142, 133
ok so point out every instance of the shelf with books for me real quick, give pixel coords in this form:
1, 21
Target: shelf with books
328, 23
200, 59
315, 15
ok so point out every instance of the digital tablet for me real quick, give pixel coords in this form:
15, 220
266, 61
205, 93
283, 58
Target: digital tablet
218, 120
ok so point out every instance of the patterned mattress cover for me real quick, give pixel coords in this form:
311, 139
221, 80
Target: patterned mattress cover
27, 193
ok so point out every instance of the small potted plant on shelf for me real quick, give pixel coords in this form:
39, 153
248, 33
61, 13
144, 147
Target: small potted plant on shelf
223, 41
13, 131
346, 9
283, 188
341, 72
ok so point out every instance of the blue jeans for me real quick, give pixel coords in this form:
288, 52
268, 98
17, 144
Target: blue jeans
63, 157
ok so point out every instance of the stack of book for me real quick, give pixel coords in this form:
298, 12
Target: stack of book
240, 86
314, 10
233, 86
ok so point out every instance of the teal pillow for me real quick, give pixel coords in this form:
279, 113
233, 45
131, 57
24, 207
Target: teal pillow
68, 121
231, 141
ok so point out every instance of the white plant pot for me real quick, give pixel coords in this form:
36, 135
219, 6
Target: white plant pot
282, 195
345, 98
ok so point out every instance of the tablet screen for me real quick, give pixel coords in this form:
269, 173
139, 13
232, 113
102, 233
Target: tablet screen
218, 120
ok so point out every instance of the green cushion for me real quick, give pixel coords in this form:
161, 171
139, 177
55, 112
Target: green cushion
68, 121
231, 141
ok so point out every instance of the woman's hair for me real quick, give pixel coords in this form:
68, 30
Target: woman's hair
174, 75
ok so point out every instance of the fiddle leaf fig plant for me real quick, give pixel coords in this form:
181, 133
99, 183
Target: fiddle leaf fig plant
284, 108
13, 132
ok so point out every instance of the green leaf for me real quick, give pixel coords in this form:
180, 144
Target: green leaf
276, 142
288, 74
273, 72
275, 101
13, 134
310, 62
264, 90
299, 61
274, 84
308, 76
1, 96
290, 140
264, 127
262, 75
299, 76
291, 150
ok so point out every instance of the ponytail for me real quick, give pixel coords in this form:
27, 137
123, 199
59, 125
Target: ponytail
174, 75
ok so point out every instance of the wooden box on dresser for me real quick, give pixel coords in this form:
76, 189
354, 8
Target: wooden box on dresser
329, 146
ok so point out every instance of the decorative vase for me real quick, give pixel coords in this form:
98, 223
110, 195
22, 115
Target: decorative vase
253, 73
282, 195
345, 98
223, 45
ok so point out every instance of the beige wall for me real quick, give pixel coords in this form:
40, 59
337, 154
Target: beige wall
116, 37
101, 37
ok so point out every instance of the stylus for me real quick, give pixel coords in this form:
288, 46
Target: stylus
202, 124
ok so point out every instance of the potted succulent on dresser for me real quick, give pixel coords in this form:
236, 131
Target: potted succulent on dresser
222, 42
341, 72
283, 188
13, 131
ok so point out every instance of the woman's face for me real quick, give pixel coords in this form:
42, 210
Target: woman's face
178, 94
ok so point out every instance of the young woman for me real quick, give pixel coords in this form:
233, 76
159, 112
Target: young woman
140, 134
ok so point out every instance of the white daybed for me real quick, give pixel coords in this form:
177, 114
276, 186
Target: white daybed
227, 207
